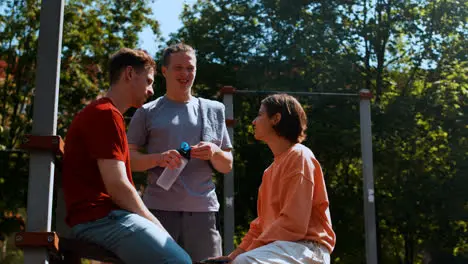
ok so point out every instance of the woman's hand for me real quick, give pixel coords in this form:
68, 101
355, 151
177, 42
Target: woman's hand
223, 259
236, 253
217, 260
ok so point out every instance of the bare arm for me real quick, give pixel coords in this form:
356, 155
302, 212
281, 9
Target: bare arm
122, 192
221, 159
142, 162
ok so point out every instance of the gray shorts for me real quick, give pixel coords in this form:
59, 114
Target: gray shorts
196, 232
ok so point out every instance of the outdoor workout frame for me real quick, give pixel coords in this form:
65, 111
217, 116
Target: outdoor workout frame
44, 129
44, 145
367, 165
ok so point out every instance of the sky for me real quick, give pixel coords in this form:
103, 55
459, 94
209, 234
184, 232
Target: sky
167, 13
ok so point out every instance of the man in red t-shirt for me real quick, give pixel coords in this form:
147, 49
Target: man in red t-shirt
102, 203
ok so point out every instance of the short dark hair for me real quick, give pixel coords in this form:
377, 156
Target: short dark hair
138, 59
175, 48
293, 123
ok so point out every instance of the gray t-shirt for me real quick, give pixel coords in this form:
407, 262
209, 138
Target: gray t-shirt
162, 125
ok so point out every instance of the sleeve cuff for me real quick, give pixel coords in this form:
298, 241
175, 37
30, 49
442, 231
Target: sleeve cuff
245, 245
254, 245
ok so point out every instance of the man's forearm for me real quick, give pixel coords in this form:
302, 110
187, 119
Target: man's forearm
126, 197
222, 161
143, 162
121, 190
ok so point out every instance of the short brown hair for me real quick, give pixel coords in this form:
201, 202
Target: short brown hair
293, 123
138, 59
175, 48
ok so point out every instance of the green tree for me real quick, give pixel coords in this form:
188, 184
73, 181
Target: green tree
92, 30
410, 54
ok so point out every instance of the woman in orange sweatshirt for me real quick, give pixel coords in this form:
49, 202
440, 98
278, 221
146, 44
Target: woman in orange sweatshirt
293, 223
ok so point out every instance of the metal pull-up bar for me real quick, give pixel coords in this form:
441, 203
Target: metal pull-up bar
367, 165
296, 93
41, 164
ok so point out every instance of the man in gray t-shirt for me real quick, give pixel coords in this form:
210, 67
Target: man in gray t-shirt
188, 209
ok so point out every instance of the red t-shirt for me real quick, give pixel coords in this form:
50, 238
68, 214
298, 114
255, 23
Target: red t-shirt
97, 132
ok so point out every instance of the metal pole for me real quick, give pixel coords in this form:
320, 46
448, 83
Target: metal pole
296, 93
368, 173
228, 226
41, 164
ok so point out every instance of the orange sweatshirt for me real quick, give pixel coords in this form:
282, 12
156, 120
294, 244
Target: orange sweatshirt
292, 202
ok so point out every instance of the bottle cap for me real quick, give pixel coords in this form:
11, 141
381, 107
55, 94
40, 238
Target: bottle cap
184, 150
185, 146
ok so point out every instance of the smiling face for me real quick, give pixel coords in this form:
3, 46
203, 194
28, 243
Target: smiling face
180, 72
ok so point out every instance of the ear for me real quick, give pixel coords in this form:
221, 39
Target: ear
276, 118
163, 71
129, 72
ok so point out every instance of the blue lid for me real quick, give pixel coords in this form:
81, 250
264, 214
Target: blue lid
185, 146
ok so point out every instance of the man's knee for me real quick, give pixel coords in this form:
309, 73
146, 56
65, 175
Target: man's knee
169, 253
152, 244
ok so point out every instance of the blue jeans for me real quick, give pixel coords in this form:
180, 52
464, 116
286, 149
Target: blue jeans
132, 238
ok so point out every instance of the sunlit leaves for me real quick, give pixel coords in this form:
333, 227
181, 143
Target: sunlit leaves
411, 54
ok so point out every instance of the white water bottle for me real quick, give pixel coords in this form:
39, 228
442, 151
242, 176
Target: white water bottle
168, 176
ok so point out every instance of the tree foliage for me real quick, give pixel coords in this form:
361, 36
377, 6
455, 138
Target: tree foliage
92, 30
410, 54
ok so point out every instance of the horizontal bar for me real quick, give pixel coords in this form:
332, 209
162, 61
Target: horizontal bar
230, 122
296, 93
49, 240
50, 143
14, 150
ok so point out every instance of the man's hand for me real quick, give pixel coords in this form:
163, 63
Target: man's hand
219, 158
170, 159
204, 150
153, 219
